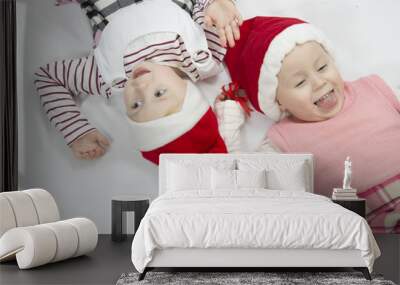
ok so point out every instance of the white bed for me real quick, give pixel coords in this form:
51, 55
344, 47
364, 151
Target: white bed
192, 224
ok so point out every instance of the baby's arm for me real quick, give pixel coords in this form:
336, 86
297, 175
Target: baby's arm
224, 15
58, 85
394, 90
230, 117
216, 39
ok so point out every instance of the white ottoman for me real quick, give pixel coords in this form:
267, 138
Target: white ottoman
31, 232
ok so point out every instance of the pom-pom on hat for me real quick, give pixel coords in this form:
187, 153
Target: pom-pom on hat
256, 59
194, 129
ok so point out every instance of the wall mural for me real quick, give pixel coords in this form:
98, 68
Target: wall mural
284, 67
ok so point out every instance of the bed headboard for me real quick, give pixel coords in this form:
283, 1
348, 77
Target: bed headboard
212, 159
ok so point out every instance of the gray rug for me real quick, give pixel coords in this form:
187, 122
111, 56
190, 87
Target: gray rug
244, 278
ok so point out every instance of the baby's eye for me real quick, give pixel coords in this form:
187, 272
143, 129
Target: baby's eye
322, 67
137, 104
300, 83
160, 92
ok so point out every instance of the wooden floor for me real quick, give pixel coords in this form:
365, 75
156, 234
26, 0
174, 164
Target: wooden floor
102, 266
111, 259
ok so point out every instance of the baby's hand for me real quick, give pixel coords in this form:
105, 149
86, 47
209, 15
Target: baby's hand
224, 15
90, 146
220, 98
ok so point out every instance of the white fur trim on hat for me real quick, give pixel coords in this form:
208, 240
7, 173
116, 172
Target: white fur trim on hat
154, 134
280, 46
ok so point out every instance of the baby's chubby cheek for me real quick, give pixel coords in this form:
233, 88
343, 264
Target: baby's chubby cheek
156, 110
127, 98
168, 106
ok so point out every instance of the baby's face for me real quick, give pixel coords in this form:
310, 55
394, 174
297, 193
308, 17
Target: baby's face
309, 85
153, 91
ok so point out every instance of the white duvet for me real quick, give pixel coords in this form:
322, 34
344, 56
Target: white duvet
252, 218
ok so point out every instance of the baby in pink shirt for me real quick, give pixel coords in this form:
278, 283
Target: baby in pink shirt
287, 70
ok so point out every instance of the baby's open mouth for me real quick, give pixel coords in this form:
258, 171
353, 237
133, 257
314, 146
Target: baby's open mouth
328, 101
139, 72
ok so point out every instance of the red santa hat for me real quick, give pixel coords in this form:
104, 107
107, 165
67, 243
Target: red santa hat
194, 129
256, 59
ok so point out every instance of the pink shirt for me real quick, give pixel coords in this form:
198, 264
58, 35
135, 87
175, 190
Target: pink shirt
367, 129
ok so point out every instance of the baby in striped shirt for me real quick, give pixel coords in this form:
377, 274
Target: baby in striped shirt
172, 53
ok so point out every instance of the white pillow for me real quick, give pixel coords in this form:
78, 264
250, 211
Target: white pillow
251, 178
225, 179
289, 179
193, 174
281, 174
181, 177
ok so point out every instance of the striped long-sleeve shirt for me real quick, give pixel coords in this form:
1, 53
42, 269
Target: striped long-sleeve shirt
61, 84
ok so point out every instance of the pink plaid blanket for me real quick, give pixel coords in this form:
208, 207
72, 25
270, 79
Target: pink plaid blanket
383, 206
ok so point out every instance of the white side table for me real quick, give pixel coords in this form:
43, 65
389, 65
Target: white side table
126, 203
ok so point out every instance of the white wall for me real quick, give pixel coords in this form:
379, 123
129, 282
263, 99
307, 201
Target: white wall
365, 33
